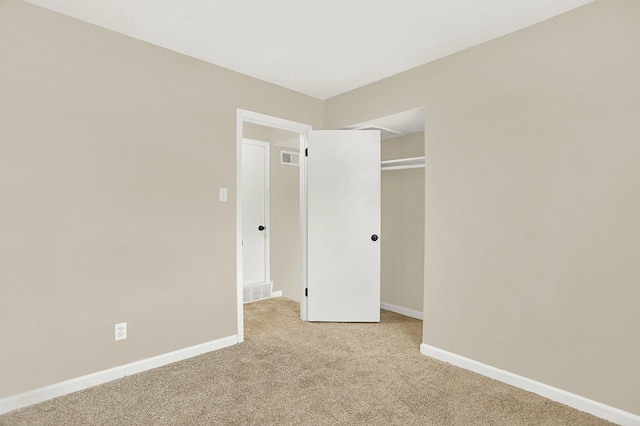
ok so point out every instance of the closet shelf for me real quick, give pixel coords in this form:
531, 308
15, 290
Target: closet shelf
403, 163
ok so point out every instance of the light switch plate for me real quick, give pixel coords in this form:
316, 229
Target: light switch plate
223, 194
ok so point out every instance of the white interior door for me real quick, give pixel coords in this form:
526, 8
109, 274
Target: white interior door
343, 225
255, 207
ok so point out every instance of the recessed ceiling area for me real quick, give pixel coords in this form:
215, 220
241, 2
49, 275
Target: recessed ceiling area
321, 48
394, 125
390, 126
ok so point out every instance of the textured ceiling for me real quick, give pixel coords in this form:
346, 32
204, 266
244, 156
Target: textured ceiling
318, 47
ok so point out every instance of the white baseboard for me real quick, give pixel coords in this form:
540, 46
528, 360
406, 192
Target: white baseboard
45, 393
276, 293
402, 311
572, 400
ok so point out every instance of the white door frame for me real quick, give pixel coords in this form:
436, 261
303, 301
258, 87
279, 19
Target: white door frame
267, 206
244, 116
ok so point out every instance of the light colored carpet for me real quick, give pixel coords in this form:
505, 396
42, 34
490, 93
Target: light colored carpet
289, 372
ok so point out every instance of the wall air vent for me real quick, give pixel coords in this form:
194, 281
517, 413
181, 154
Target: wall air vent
289, 158
257, 291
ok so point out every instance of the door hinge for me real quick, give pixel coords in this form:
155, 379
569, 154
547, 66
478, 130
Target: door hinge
306, 152
306, 292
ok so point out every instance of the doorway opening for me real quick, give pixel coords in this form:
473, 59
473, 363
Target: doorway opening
402, 210
248, 122
284, 186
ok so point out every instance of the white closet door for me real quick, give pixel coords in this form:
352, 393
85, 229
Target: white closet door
255, 163
343, 193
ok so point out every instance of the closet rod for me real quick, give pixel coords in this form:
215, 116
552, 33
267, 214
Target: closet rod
403, 163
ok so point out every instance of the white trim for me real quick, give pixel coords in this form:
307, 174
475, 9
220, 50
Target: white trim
402, 311
578, 402
304, 137
239, 275
45, 393
270, 121
245, 116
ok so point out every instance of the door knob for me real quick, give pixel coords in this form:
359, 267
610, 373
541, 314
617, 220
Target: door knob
261, 228
374, 237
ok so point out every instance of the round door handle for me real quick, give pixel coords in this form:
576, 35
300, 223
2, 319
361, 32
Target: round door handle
261, 228
374, 237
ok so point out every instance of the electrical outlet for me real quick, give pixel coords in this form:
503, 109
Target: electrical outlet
121, 331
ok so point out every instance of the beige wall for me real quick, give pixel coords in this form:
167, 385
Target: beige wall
532, 198
285, 226
111, 155
402, 232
